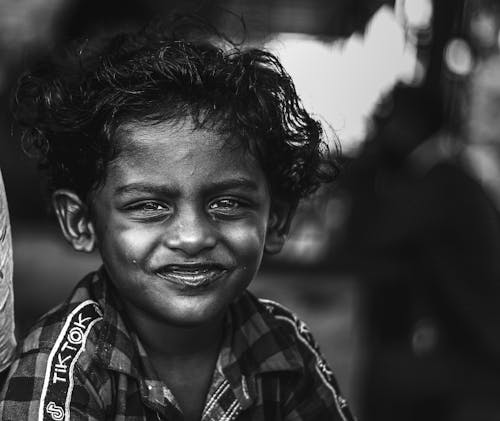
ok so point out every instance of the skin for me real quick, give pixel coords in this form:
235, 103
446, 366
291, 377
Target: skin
181, 222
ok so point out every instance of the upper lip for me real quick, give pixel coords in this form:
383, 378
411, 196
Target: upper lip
191, 267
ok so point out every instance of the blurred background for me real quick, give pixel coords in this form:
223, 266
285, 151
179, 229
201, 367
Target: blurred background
396, 268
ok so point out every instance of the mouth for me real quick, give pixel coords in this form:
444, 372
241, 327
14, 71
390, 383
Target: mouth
192, 276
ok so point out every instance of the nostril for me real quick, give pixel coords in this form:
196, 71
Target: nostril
190, 231
191, 242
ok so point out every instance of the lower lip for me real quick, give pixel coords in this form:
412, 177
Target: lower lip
191, 280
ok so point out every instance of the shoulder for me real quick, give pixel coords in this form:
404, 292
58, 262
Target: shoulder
298, 331
69, 322
282, 333
298, 335
51, 358
316, 393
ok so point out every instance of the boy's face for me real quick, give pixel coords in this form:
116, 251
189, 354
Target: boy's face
182, 221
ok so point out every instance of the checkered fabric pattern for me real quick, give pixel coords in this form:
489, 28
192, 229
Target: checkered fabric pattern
82, 361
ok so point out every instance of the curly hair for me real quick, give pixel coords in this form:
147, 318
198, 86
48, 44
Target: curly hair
70, 105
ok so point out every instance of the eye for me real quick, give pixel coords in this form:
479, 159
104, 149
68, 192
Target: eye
224, 204
149, 210
151, 207
228, 207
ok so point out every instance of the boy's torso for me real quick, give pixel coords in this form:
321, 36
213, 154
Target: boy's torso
92, 366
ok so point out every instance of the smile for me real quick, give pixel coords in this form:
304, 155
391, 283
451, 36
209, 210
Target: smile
192, 276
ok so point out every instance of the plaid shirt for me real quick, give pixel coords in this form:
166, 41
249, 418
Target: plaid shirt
82, 361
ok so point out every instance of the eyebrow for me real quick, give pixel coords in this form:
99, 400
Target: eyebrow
233, 183
139, 188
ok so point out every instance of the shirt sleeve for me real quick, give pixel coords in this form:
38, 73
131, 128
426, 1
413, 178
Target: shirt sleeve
7, 338
29, 394
315, 395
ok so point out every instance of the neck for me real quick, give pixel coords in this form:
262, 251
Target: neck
182, 342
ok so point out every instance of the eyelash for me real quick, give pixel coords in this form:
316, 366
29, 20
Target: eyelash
236, 203
156, 208
230, 207
153, 210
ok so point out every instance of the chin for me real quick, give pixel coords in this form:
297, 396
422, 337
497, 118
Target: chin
189, 320
192, 316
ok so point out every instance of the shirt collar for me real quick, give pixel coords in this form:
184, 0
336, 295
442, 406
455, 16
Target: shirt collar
119, 349
115, 347
254, 343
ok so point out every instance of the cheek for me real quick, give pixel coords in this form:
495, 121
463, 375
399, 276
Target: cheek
247, 240
126, 245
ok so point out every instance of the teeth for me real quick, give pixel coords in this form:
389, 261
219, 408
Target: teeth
191, 278
194, 278
191, 272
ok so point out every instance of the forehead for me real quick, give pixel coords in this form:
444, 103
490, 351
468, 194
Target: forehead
179, 141
179, 151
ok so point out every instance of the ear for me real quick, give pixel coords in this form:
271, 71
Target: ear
280, 218
74, 220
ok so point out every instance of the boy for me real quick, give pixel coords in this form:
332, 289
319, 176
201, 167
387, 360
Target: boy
181, 163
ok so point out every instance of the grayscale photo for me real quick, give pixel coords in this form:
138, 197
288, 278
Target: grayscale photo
235, 210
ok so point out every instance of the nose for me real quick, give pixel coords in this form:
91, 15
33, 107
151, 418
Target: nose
190, 232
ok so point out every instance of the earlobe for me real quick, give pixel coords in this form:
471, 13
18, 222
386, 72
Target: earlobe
74, 220
280, 218
274, 242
